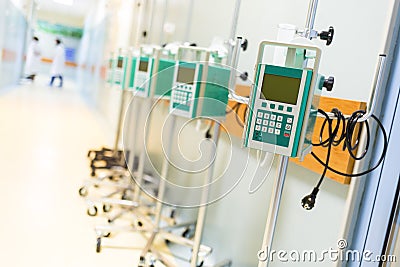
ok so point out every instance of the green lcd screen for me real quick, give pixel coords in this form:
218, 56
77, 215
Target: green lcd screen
185, 75
120, 63
280, 88
143, 66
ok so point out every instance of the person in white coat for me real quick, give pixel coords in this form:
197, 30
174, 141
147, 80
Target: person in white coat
57, 67
33, 57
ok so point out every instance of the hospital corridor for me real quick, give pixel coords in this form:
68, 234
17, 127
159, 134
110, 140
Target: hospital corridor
199, 133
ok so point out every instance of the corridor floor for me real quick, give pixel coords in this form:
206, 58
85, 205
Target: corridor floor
45, 135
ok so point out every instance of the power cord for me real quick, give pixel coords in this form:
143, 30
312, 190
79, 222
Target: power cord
208, 132
343, 133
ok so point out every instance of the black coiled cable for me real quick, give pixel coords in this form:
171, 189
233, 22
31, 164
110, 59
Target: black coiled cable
352, 122
344, 132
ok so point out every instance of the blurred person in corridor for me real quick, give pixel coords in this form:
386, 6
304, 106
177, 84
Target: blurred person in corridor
33, 57
57, 67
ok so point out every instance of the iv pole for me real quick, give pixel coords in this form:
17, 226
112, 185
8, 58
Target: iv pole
277, 189
232, 36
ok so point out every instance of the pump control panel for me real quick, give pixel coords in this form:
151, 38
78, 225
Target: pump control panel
110, 71
143, 69
185, 89
277, 109
120, 66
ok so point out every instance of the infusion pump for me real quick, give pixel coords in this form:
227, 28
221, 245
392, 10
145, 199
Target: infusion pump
142, 69
152, 73
119, 70
283, 105
199, 89
110, 71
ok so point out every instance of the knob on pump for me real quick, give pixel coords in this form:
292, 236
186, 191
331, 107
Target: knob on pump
244, 76
328, 83
245, 44
327, 35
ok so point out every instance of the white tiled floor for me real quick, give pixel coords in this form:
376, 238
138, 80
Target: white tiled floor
44, 137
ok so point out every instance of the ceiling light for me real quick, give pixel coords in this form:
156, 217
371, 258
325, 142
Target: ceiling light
65, 2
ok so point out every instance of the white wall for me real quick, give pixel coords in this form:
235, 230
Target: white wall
210, 19
360, 30
12, 35
176, 14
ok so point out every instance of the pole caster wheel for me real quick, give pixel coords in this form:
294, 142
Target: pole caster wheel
107, 207
92, 211
188, 233
107, 234
98, 245
142, 262
200, 264
172, 215
83, 192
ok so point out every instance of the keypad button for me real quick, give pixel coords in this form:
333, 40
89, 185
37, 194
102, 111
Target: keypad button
271, 130
264, 129
272, 106
280, 118
272, 123
258, 127
289, 120
259, 114
266, 116
289, 109
288, 127
264, 104
280, 107
278, 125
265, 122
277, 132
273, 117
286, 134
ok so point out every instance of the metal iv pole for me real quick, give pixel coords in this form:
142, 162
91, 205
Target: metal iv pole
277, 189
232, 36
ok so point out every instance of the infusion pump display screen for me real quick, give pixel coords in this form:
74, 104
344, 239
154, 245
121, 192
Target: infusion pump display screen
120, 63
280, 89
185, 75
143, 66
